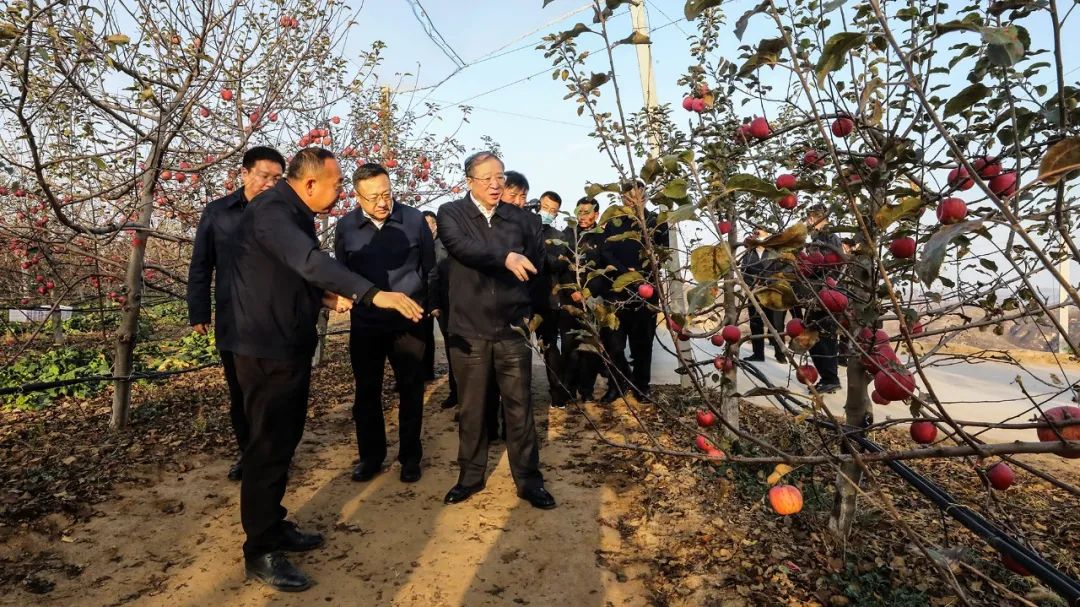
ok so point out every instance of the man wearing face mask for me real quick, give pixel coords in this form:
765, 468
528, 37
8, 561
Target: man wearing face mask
261, 169
391, 245
279, 275
547, 300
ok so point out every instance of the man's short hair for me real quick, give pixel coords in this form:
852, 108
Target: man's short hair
430, 214
476, 158
262, 152
630, 184
308, 160
589, 201
818, 209
553, 196
368, 171
516, 180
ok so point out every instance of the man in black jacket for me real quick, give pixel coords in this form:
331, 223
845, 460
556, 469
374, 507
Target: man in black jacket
547, 300
825, 352
440, 289
758, 263
389, 244
260, 170
278, 278
494, 250
637, 321
581, 361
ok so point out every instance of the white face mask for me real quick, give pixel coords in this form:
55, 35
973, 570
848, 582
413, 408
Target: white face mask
547, 218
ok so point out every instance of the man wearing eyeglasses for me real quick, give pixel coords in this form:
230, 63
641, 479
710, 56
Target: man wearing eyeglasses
495, 249
391, 245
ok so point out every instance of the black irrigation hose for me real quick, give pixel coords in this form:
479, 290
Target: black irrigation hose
1067, 587
41, 386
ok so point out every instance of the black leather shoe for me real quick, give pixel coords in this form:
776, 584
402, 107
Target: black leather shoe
780, 357
236, 471
294, 540
755, 358
610, 396
539, 498
459, 493
823, 388
410, 473
275, 570
449, 403
363, 473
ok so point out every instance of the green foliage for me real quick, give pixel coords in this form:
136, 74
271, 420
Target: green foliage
50, 366
874, 588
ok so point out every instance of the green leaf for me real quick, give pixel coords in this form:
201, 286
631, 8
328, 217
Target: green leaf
593, 190
933, 252
966, 98
709, 262
754, 185
888, 214
635, 38
835, 53
989, 265
626, 280
1060, 160
569, 34
597, 80
1004, 46
740, 25
649, 171
675, 189
768, 53
694, 8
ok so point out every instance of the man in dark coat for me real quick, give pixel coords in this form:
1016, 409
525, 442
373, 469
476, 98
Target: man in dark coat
494, 250
580, 350
440, 281
389, 244
547, 300
260, 170
758, 263
824, 353
279, 276
637, 321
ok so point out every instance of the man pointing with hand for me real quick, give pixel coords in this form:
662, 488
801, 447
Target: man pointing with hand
495, 250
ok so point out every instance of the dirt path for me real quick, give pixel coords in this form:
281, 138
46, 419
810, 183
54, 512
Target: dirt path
176, 539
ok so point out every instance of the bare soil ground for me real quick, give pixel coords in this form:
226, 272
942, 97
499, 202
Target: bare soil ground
147, 517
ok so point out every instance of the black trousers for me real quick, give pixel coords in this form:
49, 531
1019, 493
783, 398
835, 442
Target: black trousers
475, 361
369, 351
444, 322
637, 327
548, 335
429, 345
236, 401
580, 367
275, 402
757, 327
825, 353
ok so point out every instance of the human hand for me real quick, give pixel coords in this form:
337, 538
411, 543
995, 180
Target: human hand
576, 296
199, 328
520, 266
436, 313
399, 302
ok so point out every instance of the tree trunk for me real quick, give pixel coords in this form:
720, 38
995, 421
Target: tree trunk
858, 413
58, 326
127, 332
729, 403
320, 345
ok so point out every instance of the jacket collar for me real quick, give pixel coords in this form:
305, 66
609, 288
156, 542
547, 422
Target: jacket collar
236, 198
286, 191
395, 216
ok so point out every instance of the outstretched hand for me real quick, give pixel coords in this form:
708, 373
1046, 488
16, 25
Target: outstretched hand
520, 266
399, 302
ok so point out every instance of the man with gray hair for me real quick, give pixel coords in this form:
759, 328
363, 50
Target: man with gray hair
495, 250
279, 276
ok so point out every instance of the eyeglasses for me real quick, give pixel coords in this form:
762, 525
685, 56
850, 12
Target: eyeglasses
386, 197
500, 179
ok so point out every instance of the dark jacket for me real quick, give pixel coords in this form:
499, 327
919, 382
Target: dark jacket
486, 300
399, 257
546, 299
757, 267
579, 259
628, 254
213, 248
440, 278
278, 278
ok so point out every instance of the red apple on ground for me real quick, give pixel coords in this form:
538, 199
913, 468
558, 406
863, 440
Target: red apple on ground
731, 334
785, 499
645, 290
795, 327
1001, 476
903, 248
759, 128
706, 419
703, 443
807, 375
715, 454
951, 210
787, 180
842, 126
923, 432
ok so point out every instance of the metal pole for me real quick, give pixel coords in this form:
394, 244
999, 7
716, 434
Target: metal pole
676, 285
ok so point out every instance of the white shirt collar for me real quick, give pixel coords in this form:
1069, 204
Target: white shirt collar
379, 224
483, 210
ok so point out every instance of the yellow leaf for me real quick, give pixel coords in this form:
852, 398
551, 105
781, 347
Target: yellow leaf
778, 473
890, 213
1061, 159
118, 39
709, 262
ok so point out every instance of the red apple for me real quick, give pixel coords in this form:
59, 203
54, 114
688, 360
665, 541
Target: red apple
951, 210
987, 166
714, 454
795, 327
716, 339
813, 159
742, 133
894, 384
923, 432
789, 202
759, 128
871, 162
645, 290
724, 227
703, 443
1001, 476
698, 105
903, 248
706, 419
336, 120
842, 126
204, 112
787, 180
834, 301
807, 375
226, 94
785, 499
688, 103
674, 326
731, 334
1004, 185
879, 399
958, 178
1071, 433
